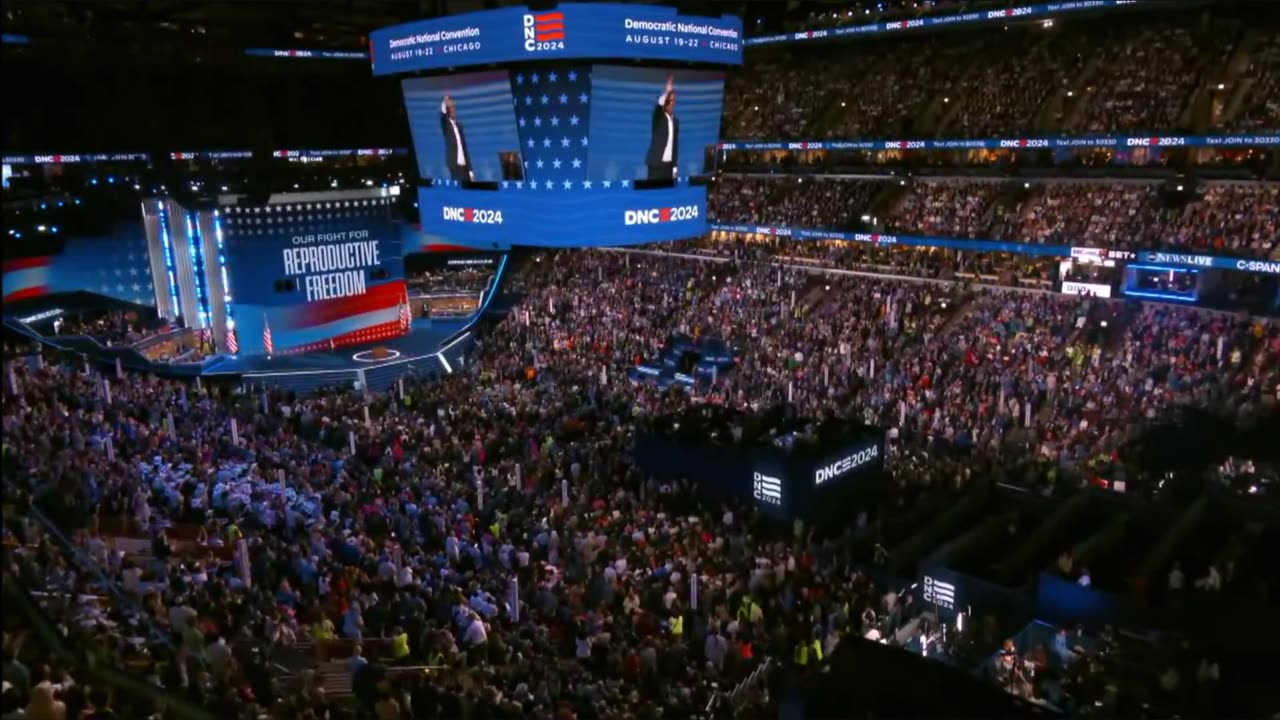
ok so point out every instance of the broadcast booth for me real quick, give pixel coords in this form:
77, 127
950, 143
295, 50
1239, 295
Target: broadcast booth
818, 470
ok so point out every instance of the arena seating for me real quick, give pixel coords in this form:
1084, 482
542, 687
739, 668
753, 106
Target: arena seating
1240, 219
484, 544
1081, 76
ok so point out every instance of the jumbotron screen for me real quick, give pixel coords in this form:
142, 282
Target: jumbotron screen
570, 152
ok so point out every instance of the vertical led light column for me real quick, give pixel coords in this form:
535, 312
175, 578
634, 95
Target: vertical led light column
171, 273
195, 250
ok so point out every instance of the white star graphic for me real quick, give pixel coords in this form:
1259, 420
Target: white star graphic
573, 76
551, 77
520, 183
120, 288
537, 121
118, 272
584, 141
573, 120
556, 163
564, 142
545, 99
530, 142
137, 287
521, 122
133, 271
555, 121
577, 163
546, 142
625, 183
504, 185
564, 99
528, 100
533, 185
586, 184
519, 78
582, 98
539, 164
567, 184
608, 184
534, 79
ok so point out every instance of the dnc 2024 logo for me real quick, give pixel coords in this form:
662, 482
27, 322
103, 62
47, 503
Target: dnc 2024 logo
543, 31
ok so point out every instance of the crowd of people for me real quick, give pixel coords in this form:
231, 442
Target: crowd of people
814, 202
956, 208
1228, 218
1084, 76
1261, 108
405, 534
1146, 83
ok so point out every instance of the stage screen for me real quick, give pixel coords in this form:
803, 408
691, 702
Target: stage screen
463, 126
314, 273
634, 136
114, 264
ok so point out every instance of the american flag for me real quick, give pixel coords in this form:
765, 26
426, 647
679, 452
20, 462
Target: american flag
406, 315
552, 107
206, 337
266, 336
120, 267
233, 345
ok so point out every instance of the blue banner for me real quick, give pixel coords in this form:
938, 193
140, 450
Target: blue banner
1013, 142
567, 214
343, 152
308, 54
1055, 143
212, 155
570, 31
67, 158
1268, 267
892, 239
941, 21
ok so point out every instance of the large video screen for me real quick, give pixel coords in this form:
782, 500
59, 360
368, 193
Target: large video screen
653, 123
464, 127
314, 272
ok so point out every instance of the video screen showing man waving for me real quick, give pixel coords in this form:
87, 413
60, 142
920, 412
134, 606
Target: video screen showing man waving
663, 157
463, 126
455, 142
673, 145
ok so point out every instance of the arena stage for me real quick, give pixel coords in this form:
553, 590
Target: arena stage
427, 340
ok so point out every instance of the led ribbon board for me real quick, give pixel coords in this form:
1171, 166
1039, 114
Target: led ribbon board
570, 31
